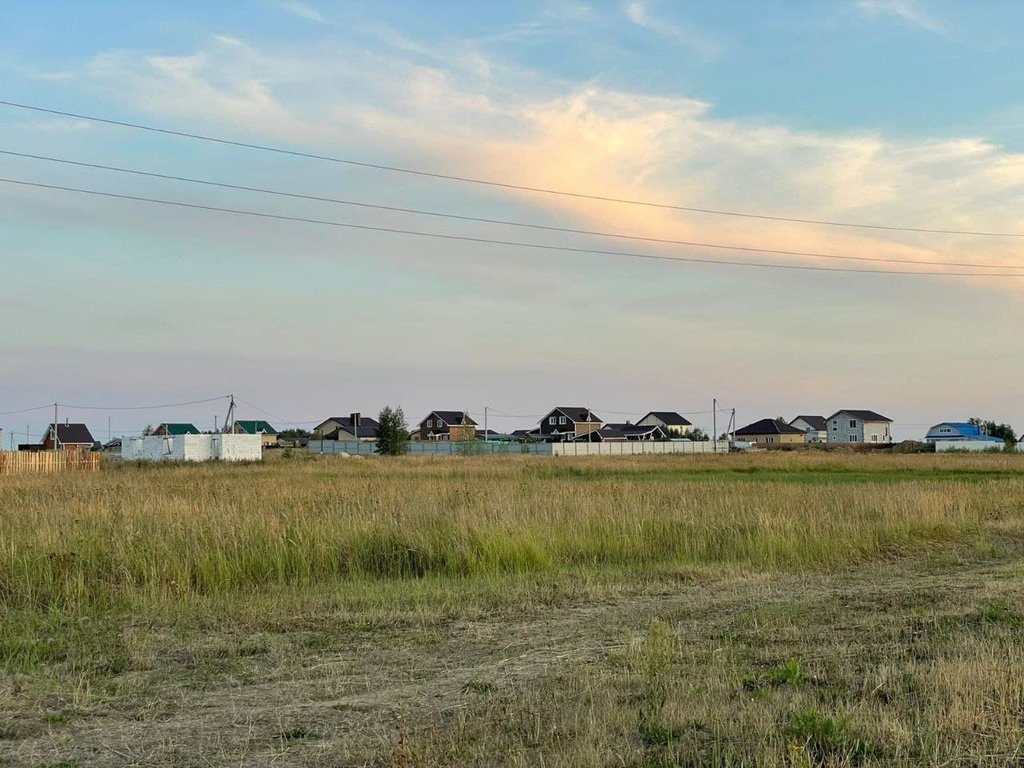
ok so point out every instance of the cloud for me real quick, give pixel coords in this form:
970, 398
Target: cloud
302, 10
706, 47
486, 121
909, 12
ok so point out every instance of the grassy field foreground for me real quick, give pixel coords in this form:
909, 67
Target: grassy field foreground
680, 610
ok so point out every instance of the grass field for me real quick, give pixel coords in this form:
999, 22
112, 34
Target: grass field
770, 610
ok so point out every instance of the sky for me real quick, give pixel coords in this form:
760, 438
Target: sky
890, 113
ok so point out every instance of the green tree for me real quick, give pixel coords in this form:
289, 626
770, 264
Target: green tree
1003, 431
698, 434
393, 435
293, 433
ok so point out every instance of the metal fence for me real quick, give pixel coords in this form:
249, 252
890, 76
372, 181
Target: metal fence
639, 448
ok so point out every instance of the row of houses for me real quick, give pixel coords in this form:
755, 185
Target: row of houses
567, 424
561, 424
847, 427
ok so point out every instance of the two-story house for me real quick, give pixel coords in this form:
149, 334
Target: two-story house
449, 426
569, 422
815, 428
671, 423
851, 426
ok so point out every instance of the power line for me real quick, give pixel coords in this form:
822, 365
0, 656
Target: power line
491, 241
483, 220
27, 410
142, 407
501, 184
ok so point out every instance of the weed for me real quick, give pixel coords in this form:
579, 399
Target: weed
825, 738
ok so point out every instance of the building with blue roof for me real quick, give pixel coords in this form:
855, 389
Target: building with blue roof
961, 435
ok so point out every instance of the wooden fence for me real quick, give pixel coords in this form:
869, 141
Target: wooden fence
12, 463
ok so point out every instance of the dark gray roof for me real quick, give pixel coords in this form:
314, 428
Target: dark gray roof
453, 418
862, 415
73, 434
367, 427
817, 422
769, 427
575, 413
669, 418
629, 430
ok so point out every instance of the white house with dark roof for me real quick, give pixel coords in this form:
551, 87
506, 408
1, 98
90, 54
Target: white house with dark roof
852, 426
671, 423
815, 428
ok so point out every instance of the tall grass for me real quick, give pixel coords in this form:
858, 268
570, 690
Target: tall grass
130, 533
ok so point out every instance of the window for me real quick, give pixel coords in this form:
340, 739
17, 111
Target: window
561, 419
874, 438
553, 420
853, 424
430, 423
853, 438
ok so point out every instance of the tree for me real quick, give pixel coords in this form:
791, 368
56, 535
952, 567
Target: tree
393, 435
293, 433
1003, 431
698, 435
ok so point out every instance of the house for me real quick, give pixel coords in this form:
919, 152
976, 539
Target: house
169, 430
815, 428
858, 426
355, 426
567, 423
255, 427
630, 433
962, 436
70, 437
671, 423
526, 435
770, 432
447, 426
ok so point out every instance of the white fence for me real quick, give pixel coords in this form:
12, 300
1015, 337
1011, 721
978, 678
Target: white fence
480, 448
973, 446
639, 448
192, 448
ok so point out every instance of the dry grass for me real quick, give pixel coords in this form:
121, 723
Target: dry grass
771, 610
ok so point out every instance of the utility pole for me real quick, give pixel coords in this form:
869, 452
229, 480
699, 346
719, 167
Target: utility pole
487, 435
55, 442
734, 425
714, 423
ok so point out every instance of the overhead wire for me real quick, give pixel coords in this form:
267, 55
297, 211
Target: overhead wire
485, 220
495, 241
140, 407
499, 184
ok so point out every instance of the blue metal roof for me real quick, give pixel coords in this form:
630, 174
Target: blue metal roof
960, 430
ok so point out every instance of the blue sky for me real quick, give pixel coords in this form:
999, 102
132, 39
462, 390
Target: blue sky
899, 112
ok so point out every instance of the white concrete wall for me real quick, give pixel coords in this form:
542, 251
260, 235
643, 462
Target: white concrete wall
192, 448
638, 448
966, 445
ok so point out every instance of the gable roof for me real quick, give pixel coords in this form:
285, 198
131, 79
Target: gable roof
574, 413
254, 427
669, 418
71, 434
368, 427
862, 415
817, 423
178, 428
452, 418
769, 427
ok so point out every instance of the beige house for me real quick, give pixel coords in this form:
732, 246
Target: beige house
770, 432
256, 427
